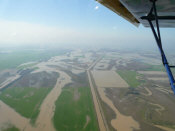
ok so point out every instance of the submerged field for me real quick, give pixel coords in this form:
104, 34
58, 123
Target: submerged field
25, 100
74, 110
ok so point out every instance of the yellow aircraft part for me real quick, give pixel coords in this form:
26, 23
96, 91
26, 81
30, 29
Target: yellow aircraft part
117, 7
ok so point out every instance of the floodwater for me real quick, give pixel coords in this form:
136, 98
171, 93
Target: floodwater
44, 120
121, 122
149, 93
108, 79
8, 115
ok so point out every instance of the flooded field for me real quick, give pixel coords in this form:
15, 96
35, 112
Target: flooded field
8, 115
122, 92
121, 122
108, 79
44, 120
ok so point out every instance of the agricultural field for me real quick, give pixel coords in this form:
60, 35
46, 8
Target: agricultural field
74, 110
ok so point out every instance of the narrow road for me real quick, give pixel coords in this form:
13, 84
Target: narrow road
99, 112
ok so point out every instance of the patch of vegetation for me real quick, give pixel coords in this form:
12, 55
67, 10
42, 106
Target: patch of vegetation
17, 57
25, 100
10, 128
130, 77
70, 114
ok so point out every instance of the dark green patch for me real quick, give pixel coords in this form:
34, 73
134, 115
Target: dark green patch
70, 114
10, 128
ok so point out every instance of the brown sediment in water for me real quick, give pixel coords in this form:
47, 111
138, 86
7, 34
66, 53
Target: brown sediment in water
108, 79
10, 115
44, 120
121, 122
149, 93
159, 108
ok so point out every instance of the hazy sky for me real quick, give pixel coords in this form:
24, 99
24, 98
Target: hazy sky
69, 21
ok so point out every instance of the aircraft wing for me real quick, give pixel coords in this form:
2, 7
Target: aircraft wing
133, 10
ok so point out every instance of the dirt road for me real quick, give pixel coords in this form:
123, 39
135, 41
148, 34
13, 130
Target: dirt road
98, 109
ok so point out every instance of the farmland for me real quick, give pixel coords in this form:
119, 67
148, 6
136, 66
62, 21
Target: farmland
74, 110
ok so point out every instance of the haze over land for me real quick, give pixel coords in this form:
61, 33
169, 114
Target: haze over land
84, 89
76, 66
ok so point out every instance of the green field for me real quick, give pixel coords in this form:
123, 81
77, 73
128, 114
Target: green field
17, 57
71, 113
11, 128
129, 77
26, 101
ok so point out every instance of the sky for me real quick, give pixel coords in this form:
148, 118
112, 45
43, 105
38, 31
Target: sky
85, 22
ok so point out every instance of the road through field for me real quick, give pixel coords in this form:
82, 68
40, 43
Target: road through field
99, 112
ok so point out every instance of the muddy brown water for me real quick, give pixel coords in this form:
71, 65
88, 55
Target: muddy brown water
121, 122
44, 120
108, 79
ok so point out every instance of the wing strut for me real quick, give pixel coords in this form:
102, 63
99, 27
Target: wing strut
151, 17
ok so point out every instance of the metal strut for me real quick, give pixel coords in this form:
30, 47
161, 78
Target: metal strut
150, 17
